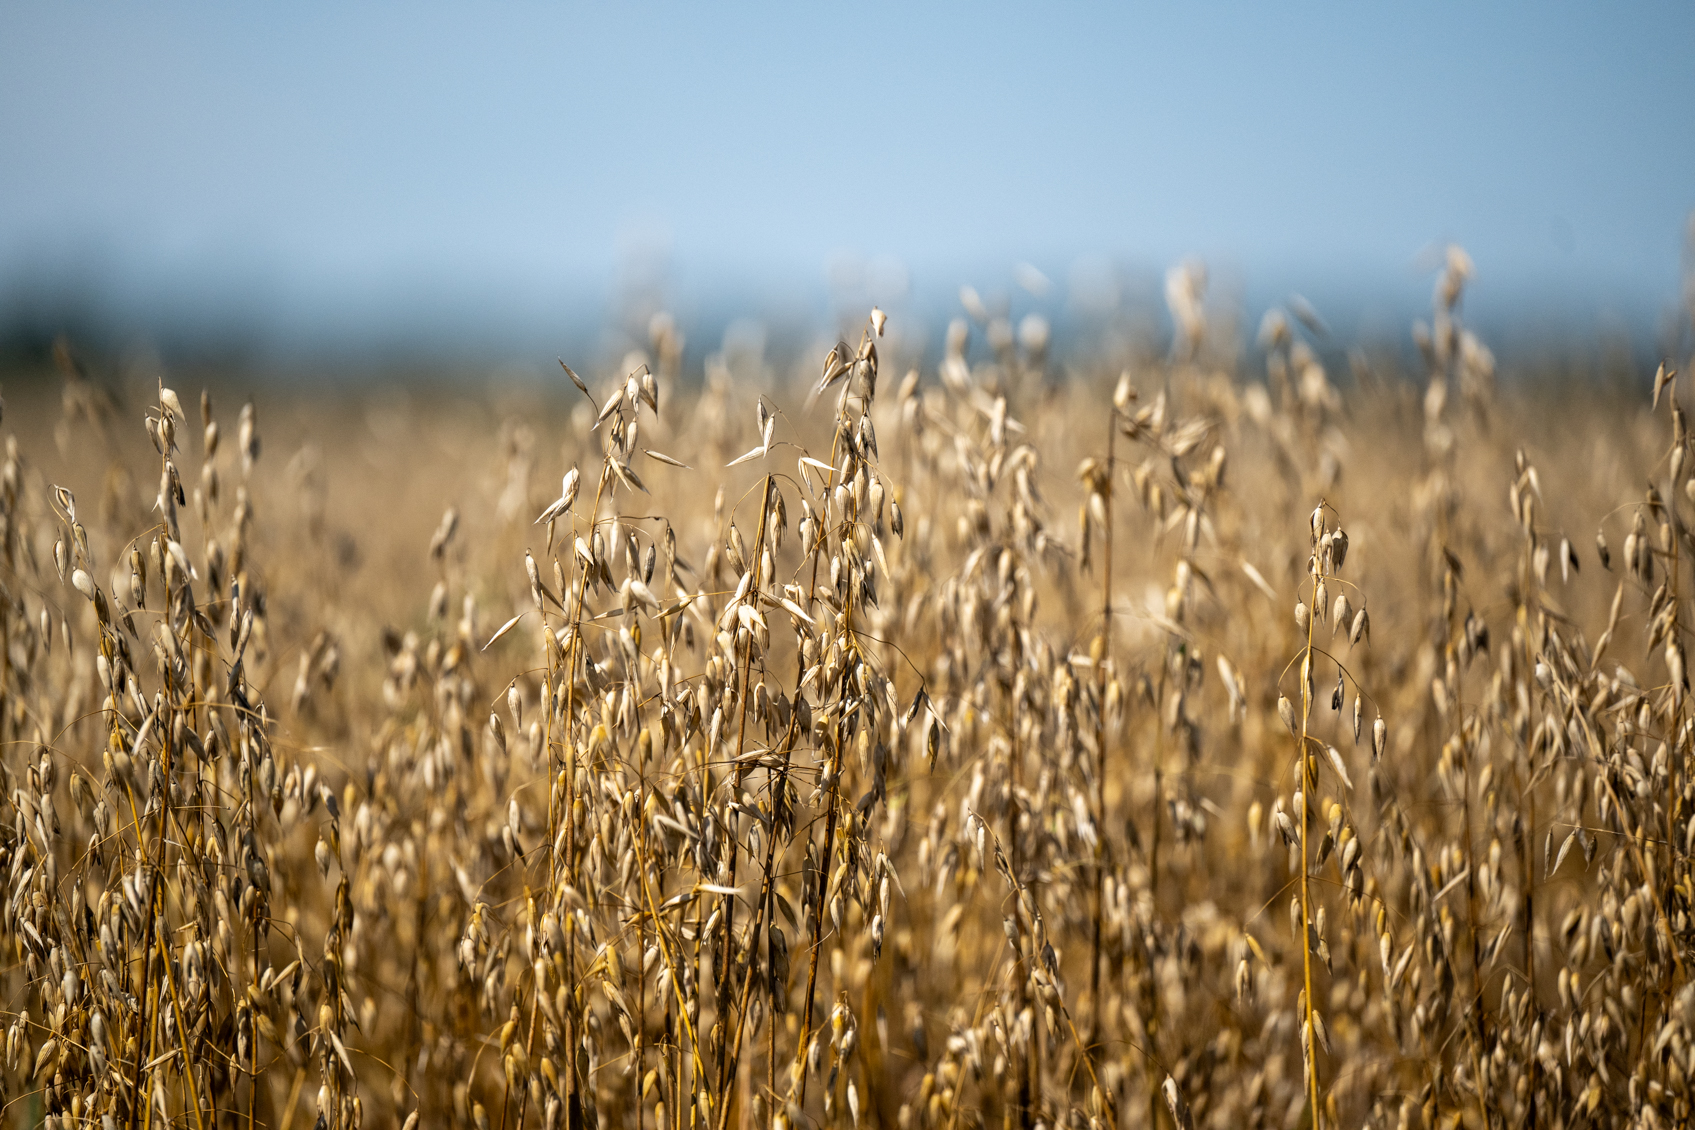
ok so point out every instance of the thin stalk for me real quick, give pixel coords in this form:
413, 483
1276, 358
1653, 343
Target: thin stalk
830, 801
1027, 1079
1528, 858
640, 1020
762, 911
1309, 1037
818, 908
1148, 940
676, 982
1481, 1033
726, 969
572, 1083
1674, 580
552, 815
1095, 1007
771, 1034
182, 1032
253, 1039
142, 1029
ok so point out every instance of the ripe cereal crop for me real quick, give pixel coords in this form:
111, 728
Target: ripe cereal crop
922, 744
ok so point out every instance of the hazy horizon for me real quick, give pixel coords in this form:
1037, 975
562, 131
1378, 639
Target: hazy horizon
353, 180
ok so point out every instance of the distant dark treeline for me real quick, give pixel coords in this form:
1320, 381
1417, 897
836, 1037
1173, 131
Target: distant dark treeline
1528, 341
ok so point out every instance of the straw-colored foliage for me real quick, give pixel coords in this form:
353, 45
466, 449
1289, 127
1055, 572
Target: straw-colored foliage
917, 749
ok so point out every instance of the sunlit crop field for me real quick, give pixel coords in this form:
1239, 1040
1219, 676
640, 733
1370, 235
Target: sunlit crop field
889, 743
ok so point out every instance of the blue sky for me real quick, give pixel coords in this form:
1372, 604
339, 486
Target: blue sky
346, 164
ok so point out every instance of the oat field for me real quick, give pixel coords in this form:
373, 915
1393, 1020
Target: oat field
894, 744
